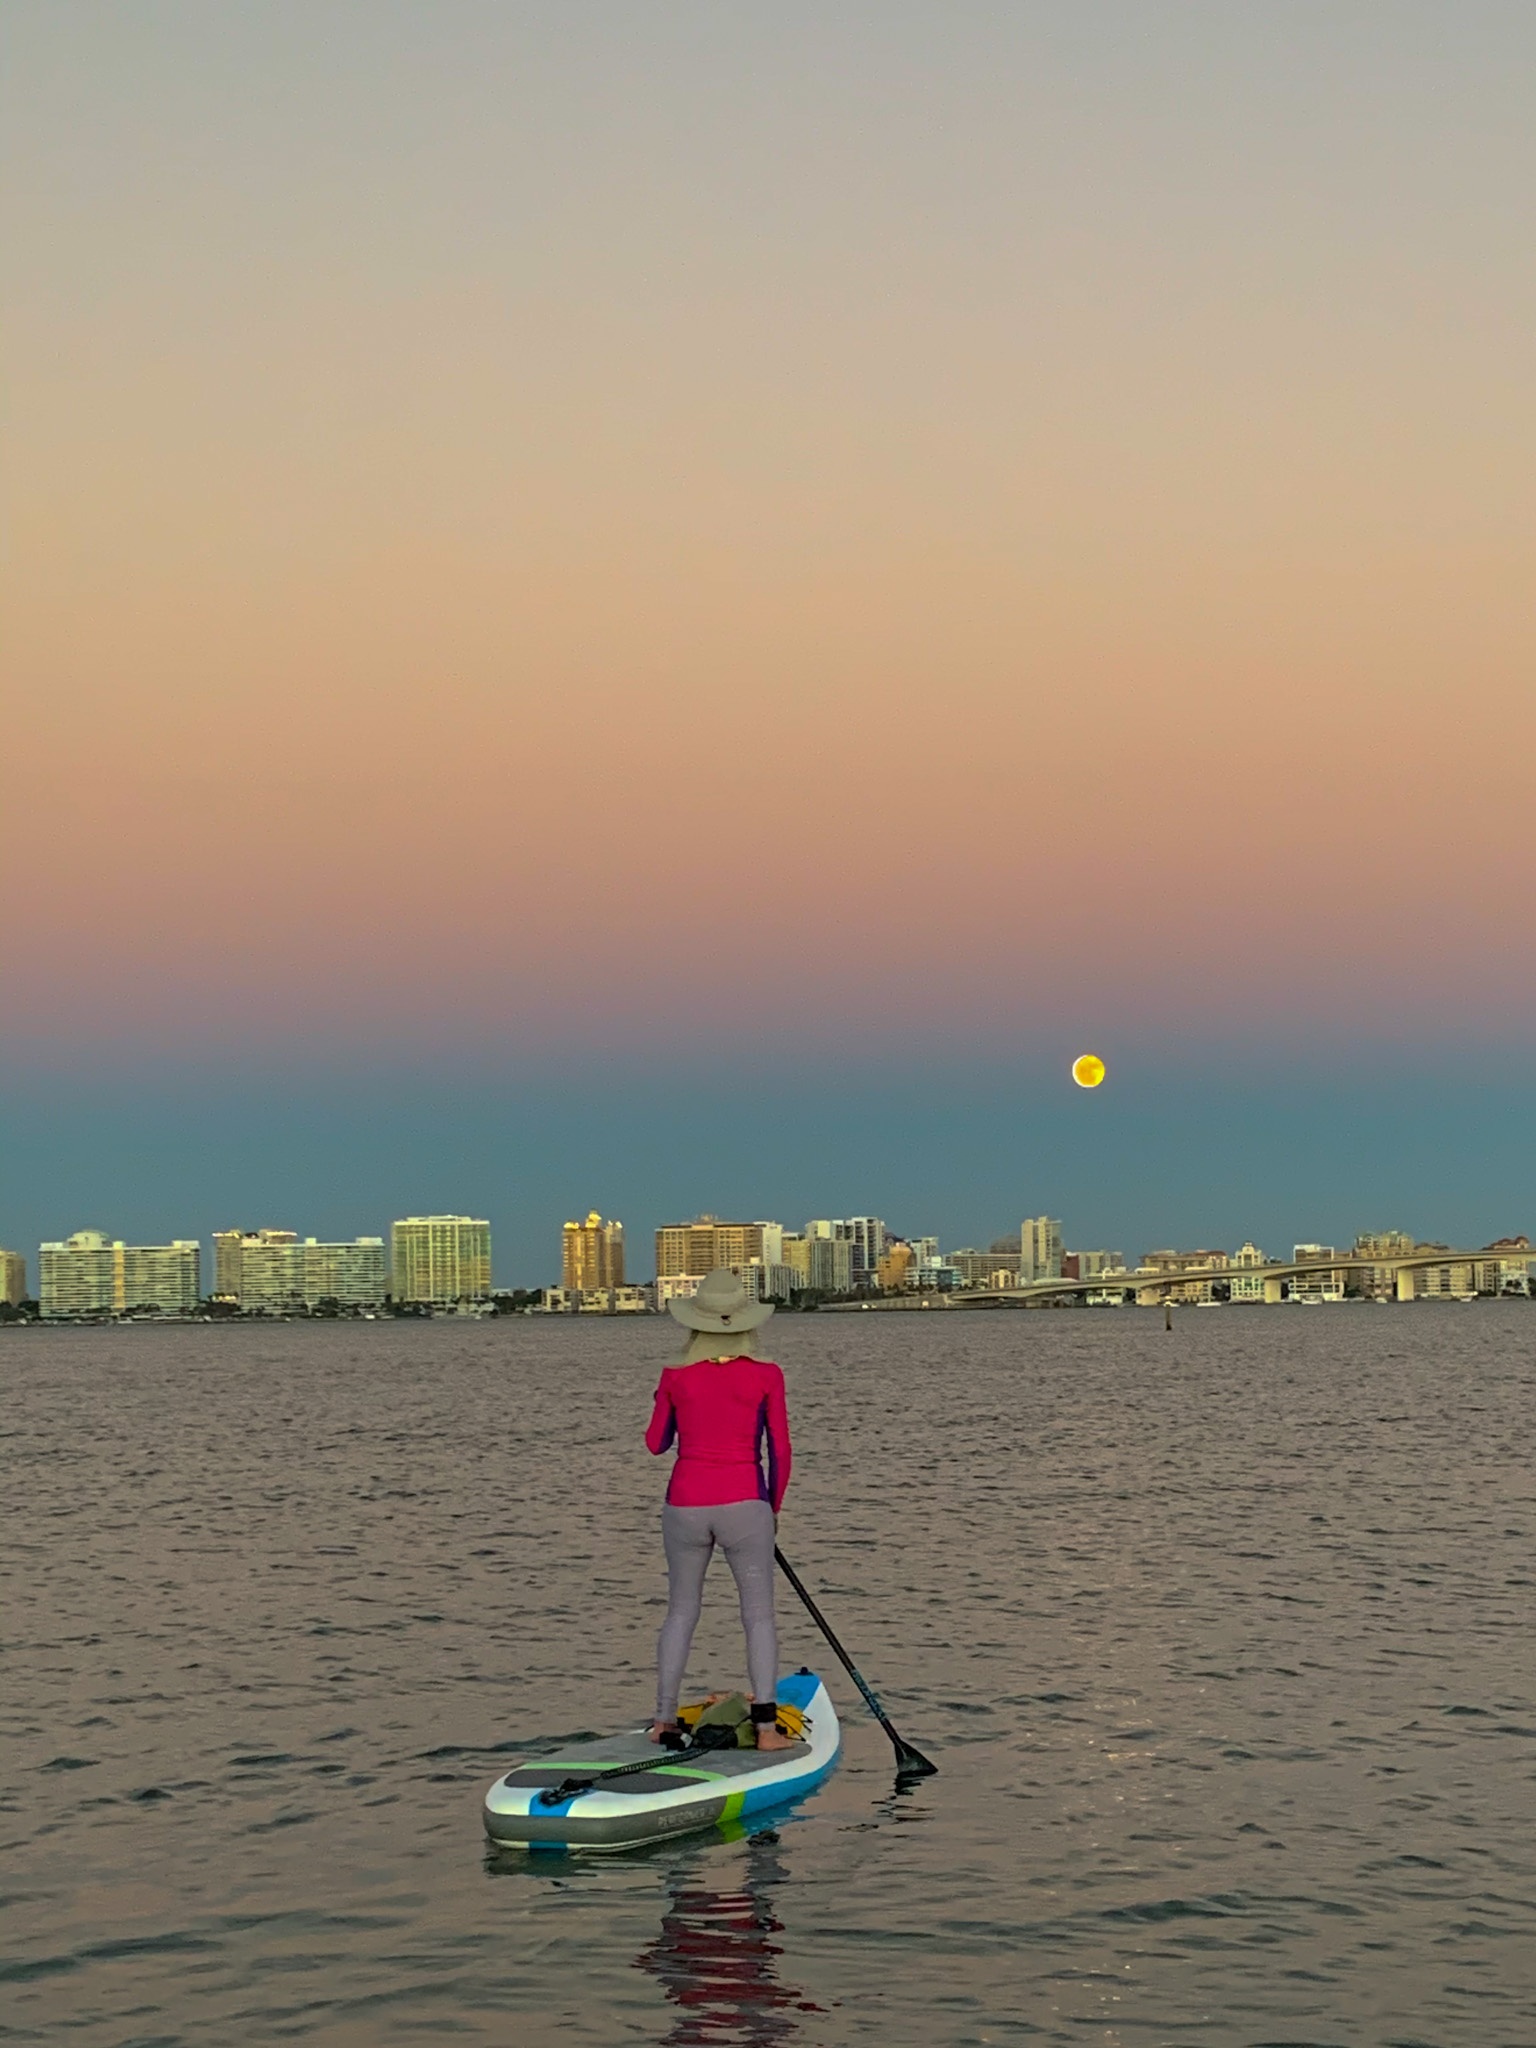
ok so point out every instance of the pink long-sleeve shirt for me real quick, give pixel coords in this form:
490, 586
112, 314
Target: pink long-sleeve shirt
722, 1414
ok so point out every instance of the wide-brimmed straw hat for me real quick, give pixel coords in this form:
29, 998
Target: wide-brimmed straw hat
722, 1303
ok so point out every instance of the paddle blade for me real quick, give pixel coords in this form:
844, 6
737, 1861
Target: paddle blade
911, 1763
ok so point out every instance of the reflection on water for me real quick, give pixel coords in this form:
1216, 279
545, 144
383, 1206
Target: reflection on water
717, 1961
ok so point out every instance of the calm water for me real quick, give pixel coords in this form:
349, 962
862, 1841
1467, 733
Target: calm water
1223, 1640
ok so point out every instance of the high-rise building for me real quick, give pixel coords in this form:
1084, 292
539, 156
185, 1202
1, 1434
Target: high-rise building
1428, 1282
1040, 1248
353, 1273
1183, 1262
1380, 1282
157, 1277
1319, 1283
229, 1258
270, 1272
441, 1258
1510, 1273
1247, 1284
865, 1237
686, 1250
979, 1269
897, 1270
90, 1275
261, 1270
795, 1253
831, 1265
13, 1277
592, 1254
1385, 1244
74, 1278
1090, 1264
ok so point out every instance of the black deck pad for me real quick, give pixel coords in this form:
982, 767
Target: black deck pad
606, 1752
540, 1777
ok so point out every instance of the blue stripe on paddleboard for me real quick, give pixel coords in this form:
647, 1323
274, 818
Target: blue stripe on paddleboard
798, 1689
757, 1797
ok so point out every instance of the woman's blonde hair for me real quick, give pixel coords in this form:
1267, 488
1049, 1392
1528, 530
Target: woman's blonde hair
720, 1344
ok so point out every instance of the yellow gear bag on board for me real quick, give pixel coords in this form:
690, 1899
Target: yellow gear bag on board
732, 1710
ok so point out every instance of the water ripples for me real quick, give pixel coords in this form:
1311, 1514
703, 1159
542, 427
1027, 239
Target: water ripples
1221, 1639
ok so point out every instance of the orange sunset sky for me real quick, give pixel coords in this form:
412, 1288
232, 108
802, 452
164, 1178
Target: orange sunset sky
532, 528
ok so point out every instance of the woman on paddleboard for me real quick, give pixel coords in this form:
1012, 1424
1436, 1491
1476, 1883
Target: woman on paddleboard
724, 1409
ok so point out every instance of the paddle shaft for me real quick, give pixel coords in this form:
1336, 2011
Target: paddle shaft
552, 1795
907, 1758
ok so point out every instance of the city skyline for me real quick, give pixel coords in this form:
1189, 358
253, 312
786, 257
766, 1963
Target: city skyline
448, 1258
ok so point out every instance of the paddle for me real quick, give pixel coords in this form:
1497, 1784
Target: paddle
910, 1762
704, 1743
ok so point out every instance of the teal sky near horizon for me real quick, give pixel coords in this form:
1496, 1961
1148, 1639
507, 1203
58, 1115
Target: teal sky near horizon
1179, 1156
607, 602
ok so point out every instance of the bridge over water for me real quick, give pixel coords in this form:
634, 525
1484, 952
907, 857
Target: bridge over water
1150, 1288
1153, 1287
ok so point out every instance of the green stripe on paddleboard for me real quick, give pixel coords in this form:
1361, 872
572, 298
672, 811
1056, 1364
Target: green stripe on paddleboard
732, 1808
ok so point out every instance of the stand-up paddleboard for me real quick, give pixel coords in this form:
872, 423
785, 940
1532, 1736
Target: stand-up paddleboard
674, 1793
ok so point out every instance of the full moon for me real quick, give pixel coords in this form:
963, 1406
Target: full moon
1088, 1070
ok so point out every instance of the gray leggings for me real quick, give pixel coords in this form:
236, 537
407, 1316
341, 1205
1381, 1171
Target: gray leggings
744, 1531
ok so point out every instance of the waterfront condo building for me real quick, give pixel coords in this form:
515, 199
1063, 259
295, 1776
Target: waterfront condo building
92, 1275
1380, 1282
996, 1267
1318, 1283
831, 1265
865, 1237
897, 1267
1040, 1248
270, 1272
1091, 1264
1512, 1273
352, 1273
592, 1255
690, 1250
260, 1270
795, 1253
597, 1301
1185, 1262
1460, 1279
13, 1277
441, 1258
75, 1278
1247, 1282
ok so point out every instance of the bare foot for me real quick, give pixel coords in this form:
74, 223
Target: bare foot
660, 1728
770, 1736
